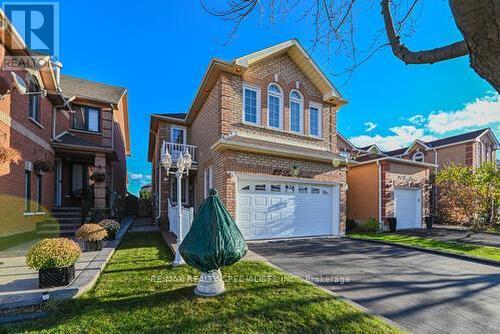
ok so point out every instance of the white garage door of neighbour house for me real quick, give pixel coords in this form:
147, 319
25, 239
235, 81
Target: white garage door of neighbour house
408, 208
277, 209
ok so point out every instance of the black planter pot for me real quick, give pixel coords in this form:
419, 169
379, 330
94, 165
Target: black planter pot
392, 222
92, 246
111, 236
428, 222
48, 278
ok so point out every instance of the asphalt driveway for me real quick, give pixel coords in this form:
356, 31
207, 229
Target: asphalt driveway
423, 292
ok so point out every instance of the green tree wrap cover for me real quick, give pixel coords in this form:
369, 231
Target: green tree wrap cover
214, 240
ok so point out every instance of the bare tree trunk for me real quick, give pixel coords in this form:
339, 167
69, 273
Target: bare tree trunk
479, 22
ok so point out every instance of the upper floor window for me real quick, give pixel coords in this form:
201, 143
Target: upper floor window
315, 121
251, 101
34, 99
86, 119
418, 156
296, 112
274, 106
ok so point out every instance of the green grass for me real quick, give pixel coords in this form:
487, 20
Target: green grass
484, 252
126, 299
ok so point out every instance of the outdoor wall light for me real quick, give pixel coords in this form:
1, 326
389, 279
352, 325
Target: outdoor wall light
166, 161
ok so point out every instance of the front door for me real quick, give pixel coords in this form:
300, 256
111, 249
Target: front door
408, 208
79, 178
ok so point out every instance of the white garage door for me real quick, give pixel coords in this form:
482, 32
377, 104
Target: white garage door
267, 209
408, 208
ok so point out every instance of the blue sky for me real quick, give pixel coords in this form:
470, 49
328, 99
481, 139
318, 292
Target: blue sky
160, 49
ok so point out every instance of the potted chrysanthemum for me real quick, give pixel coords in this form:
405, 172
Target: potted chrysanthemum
111, 226
92, 235
54, 259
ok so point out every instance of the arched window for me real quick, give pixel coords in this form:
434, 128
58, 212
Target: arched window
296, 112
418, 156
274, 106
34, 99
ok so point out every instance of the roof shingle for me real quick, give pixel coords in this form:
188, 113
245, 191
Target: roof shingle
92, 90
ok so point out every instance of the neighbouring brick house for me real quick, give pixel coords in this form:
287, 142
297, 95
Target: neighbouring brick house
65, 130
262, 131
467, 149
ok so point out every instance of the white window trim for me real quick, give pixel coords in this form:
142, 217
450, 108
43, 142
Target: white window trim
280, 96
418, 154
258, 109
207, 173
183, 128
301, 118
320, 119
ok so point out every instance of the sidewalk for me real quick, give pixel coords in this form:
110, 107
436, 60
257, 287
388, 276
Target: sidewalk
19, 284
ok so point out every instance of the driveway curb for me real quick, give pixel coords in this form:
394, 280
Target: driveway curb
432, 251
331, 293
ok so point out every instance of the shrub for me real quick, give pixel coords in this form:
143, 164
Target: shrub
371, 225
469, 195
53, 253
91, 232
350, 225
110, 225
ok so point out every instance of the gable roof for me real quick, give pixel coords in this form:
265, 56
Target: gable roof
446, 141
345, 140
240, 65
299, 55
92, 90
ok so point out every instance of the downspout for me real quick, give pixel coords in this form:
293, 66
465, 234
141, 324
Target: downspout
159, 179
380, 194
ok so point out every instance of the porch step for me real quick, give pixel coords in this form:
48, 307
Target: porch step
64, 223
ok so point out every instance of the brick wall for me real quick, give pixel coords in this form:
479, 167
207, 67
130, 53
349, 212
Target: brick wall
33, 142
288, 75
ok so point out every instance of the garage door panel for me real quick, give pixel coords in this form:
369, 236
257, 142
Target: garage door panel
275, 210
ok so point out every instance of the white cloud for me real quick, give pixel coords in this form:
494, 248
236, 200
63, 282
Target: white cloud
140, 178
401, 136
481, 112
417, 119
370, 126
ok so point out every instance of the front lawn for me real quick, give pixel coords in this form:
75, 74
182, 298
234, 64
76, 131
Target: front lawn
485, 252
139, 292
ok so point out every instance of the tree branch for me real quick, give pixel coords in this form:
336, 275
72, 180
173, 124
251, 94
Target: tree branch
450, 51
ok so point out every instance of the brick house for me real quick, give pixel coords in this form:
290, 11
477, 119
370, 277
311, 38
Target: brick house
466, 149
379, 171
65, 130
262, 131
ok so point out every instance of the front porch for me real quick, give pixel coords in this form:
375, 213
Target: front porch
83, 188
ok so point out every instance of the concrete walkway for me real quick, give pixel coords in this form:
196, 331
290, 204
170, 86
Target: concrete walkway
457, 235
19, 284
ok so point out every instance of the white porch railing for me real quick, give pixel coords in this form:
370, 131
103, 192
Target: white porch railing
175, 150
173, 218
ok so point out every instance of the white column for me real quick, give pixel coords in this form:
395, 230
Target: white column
178, 258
